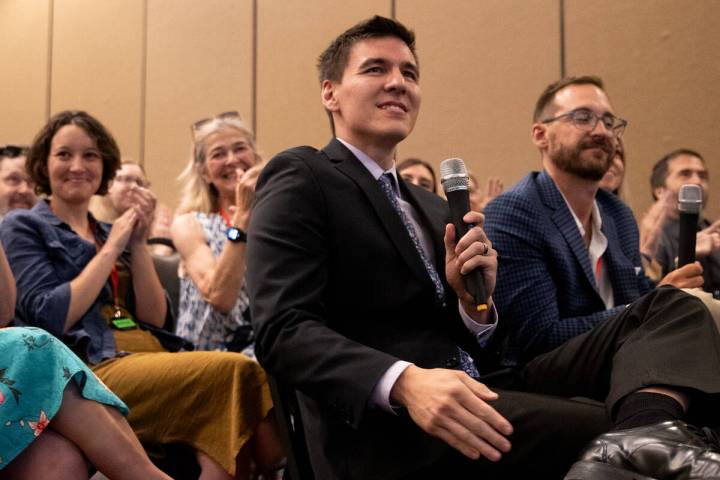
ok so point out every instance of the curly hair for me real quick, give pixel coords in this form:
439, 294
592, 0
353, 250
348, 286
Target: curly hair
37, 158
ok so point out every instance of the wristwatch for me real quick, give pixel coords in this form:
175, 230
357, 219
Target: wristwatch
236, 235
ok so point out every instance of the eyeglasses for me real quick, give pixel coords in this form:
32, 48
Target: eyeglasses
585, 119
130, 179
222, 116
12, 151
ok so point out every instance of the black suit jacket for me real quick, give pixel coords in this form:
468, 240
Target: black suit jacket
338, 294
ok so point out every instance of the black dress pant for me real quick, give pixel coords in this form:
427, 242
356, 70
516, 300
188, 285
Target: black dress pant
564, 398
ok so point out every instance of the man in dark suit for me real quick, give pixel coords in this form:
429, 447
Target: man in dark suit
358, 301
569, 254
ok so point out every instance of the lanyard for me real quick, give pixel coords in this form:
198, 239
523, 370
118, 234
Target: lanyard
114, 275
226, 216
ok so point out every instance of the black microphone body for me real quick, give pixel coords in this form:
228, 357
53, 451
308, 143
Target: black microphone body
689, 205
457, 194
687, 238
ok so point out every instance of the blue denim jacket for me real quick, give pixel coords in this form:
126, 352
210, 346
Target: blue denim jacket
45, 255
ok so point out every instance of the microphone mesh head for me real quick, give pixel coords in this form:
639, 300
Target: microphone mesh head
453, 175
690, 198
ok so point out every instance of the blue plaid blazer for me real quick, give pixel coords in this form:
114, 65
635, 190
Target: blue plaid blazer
546, 291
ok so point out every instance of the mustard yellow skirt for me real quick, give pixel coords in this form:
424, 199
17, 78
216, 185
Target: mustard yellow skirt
212, 401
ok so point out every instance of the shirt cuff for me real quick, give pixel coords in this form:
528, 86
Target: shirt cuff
482, 331
381, 393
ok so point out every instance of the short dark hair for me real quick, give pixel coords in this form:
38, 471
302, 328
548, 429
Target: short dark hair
40, 149
333, 60
13, 151
411, 162
548, 95
660, 169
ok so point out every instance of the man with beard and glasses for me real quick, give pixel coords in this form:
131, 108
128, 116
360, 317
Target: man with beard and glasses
568, 251
16, 191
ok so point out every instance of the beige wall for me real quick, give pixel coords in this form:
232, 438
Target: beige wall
479, 82
97, 64
289, 112
149, 68
24, 82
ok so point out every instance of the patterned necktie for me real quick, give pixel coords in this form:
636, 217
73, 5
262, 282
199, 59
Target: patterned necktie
465, 362
386, 183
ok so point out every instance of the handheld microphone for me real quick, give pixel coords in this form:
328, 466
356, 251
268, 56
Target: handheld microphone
689, 205
454, 179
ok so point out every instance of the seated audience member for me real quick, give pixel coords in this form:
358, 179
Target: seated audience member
359, 303
94, 286
419, 173
612, 181
129, 180
209, 233
568, 250
480, 198
53, 410
15, 191
678, 168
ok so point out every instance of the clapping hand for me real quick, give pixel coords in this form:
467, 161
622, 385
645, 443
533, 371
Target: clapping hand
143, 202
245, 196
652, 222
708, 240
493, 188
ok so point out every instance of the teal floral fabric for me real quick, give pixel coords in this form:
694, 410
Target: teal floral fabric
35, 368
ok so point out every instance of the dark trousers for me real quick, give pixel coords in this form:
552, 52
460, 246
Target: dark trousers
562, 399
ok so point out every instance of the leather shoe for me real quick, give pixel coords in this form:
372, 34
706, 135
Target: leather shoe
663, 451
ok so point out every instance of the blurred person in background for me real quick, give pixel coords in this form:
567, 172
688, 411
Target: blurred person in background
660, 227
418, 172
129, 181
16, 191
480, 198
613, 179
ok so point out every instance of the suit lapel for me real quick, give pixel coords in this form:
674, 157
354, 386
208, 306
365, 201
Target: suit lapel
564, 221
345, 162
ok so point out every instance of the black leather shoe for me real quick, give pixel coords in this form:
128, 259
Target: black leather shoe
664, 451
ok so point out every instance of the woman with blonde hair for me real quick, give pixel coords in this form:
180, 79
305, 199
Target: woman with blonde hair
209, 233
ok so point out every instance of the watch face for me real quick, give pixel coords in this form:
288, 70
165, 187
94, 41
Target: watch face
235, 235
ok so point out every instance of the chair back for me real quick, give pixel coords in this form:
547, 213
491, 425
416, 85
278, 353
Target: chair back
166, 267
292, 433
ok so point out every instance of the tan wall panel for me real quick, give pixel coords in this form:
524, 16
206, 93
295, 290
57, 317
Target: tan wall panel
199, 63
483, 64
24, 56
291, 35
97, 64
659, 63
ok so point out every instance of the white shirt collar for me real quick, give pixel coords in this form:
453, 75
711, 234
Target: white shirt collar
595, 218
596, 249
372, 166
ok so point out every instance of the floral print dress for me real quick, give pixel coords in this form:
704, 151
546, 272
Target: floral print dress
198, 321
35, 368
